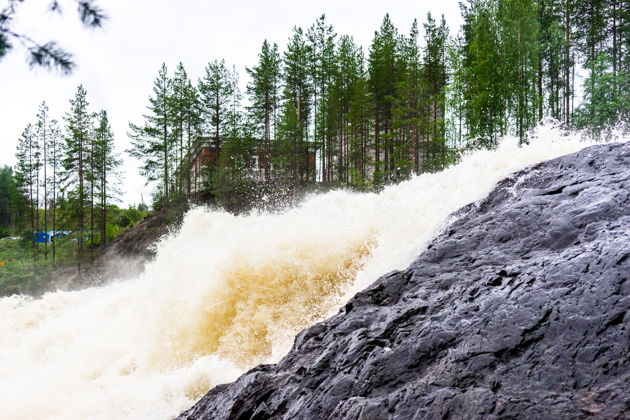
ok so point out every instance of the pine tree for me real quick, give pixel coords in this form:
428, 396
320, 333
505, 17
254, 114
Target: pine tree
193, 123
518, 26
435, 75
485, 102
152, 142
75, 162
55, 154
599, 25
263, 91
107, 163
568, 61
297, 96
234, 117
551, 40
26, 173
216, 90
43, 130
184, 110
346, 100
360, 116
407, 107
591, 30
321, 42
455, 104
383, 79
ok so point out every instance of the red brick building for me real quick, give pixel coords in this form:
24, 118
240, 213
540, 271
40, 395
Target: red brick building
206, 154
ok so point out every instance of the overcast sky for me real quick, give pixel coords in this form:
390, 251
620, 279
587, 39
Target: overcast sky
117, 65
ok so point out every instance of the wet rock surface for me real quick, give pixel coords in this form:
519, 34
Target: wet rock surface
520, 309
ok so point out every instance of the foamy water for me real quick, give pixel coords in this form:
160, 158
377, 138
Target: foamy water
227, 293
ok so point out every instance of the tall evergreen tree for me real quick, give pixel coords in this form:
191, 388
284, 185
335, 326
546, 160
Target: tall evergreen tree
193, 126
55, 153
550, 81
263, 91
383, 79
455, 105
435, 76
321, 42
519, 28
407, 107
216, 90
234, 117
107, 163
152, 142
486, 106
43, 130
348, 114
297, 98
75, 163
179, 104
26, 173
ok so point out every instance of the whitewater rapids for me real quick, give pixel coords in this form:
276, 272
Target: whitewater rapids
226, 293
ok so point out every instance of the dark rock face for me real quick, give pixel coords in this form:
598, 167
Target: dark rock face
520, 309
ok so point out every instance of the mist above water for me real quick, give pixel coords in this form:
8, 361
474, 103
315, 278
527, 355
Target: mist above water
226, 293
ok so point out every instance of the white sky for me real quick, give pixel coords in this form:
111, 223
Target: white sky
117, 65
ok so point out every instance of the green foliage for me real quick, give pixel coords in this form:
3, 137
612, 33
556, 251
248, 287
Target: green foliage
322, 111
47, 54
152, 142
216, 90
263, 91
12, 203
485, 103
63, 183
604, 103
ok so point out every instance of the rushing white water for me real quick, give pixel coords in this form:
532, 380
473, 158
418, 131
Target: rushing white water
226, 293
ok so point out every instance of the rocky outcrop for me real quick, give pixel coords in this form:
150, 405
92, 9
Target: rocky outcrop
520, 309
126, 256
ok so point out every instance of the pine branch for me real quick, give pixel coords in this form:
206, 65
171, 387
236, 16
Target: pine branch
48, 55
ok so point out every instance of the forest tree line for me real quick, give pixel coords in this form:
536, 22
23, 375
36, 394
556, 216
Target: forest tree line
410, 104
62, 189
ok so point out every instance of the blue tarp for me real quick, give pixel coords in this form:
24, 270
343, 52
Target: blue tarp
42, 237
46, 237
